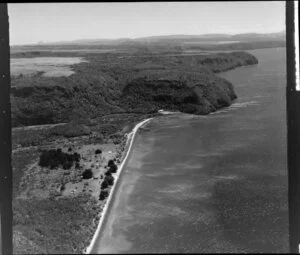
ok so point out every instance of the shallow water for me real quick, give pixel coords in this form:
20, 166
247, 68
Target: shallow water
215, 183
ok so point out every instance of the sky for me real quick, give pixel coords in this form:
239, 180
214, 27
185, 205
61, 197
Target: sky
52, 22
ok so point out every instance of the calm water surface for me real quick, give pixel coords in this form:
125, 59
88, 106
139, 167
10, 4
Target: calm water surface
215, 183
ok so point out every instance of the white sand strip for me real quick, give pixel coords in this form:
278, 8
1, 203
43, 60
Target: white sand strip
130, 138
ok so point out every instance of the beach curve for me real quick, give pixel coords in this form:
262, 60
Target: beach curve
130, 139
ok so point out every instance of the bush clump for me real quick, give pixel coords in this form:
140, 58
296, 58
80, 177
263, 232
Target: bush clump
103, 194
110, 163
54, 158
98, 151
87, 174
107, 173
113, 168
104, 184
110, 180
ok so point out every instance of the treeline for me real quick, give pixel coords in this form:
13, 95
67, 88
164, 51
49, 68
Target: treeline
108, 179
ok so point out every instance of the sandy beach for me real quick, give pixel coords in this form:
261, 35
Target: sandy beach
129, 143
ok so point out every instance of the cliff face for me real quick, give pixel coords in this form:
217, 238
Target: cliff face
189, 85
143, 95
110, 84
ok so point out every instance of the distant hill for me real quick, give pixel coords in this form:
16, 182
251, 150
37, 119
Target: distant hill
259, 37
175, 38
217, 37
159, 44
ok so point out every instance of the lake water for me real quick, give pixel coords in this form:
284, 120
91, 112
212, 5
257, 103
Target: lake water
215, 183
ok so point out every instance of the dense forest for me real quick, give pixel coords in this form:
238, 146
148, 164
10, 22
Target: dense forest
117, 83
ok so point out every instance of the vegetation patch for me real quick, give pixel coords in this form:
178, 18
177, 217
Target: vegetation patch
104, 86
108, 173
98, 151
71, 130
87, 174
20, 161
110, 180
104, 184
54, 226
30, 137
113, 168
103, 194
55, 158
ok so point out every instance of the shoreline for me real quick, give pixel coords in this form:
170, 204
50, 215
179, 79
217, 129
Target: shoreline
130, 139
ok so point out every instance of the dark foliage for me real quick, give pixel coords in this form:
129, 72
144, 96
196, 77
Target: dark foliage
110, 163
55, 158
98, 151
103, 194
108, 173
107, 85
113, 168
76, 156
104, 184
110, 180
87, 174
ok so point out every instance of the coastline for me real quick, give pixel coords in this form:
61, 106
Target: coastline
129, 142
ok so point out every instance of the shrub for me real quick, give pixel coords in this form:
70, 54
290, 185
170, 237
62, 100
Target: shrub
110, 163
87, 174
104, 184
108, 173
98, 151
103, 194
110, 180
113, 168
